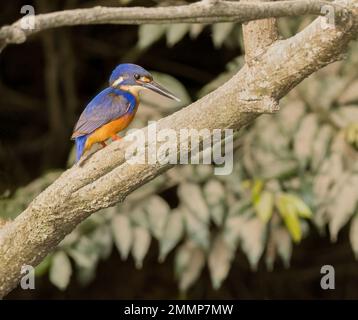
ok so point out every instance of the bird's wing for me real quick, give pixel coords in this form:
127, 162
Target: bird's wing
104, 108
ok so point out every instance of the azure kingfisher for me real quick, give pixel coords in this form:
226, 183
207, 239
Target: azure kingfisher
114, 108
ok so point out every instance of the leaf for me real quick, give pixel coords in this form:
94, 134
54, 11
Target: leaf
264, 206
304, 137
330, 172
321, 146
217, 214
301, 208
351, 134
273, 137
240, 207
90, 224
219, 261
84, 253
173, 232
122, 233
148, 34
214, 192
350, 95
321, 220
139, 217
185, 171
353, 235
158, 211
289, 216
141, 243
70, 239
290, 115
256, 189
309, 88
202, 172
183, 256
305, 228
284, 245
191, 195
220, 32
293, 225
233, 228
343, 206
61, 270
343, 116
279, 169
102, 238
85, 275
332, 87
176, 32
196, 229
189, 262
253, 237
231, 181
196, 29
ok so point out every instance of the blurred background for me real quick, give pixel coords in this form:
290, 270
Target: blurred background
263, 232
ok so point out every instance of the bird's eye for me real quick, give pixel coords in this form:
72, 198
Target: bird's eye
136, 76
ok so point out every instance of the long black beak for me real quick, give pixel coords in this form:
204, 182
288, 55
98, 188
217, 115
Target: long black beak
159, 89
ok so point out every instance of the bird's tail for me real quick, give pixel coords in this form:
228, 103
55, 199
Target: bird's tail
80, 146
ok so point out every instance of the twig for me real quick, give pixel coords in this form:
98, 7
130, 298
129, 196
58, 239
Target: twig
199, 12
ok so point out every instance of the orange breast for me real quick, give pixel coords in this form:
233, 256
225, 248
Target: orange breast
105, 132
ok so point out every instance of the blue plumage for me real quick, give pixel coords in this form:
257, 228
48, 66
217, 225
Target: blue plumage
126, 71
108, 105
113, 109
80, 145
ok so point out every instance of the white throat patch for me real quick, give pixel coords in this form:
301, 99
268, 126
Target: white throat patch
117, 82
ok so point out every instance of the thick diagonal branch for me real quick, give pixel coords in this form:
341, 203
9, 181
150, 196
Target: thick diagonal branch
106, 178
199, 12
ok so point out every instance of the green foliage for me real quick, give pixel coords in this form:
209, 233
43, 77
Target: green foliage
61, 270
222, 34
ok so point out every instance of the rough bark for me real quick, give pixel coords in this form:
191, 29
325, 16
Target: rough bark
105, 178
258, 35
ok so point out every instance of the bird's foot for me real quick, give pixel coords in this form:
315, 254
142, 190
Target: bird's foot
103, 144
116, 138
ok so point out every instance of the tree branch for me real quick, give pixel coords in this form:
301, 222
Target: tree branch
258, 36
206, 11
106, 178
